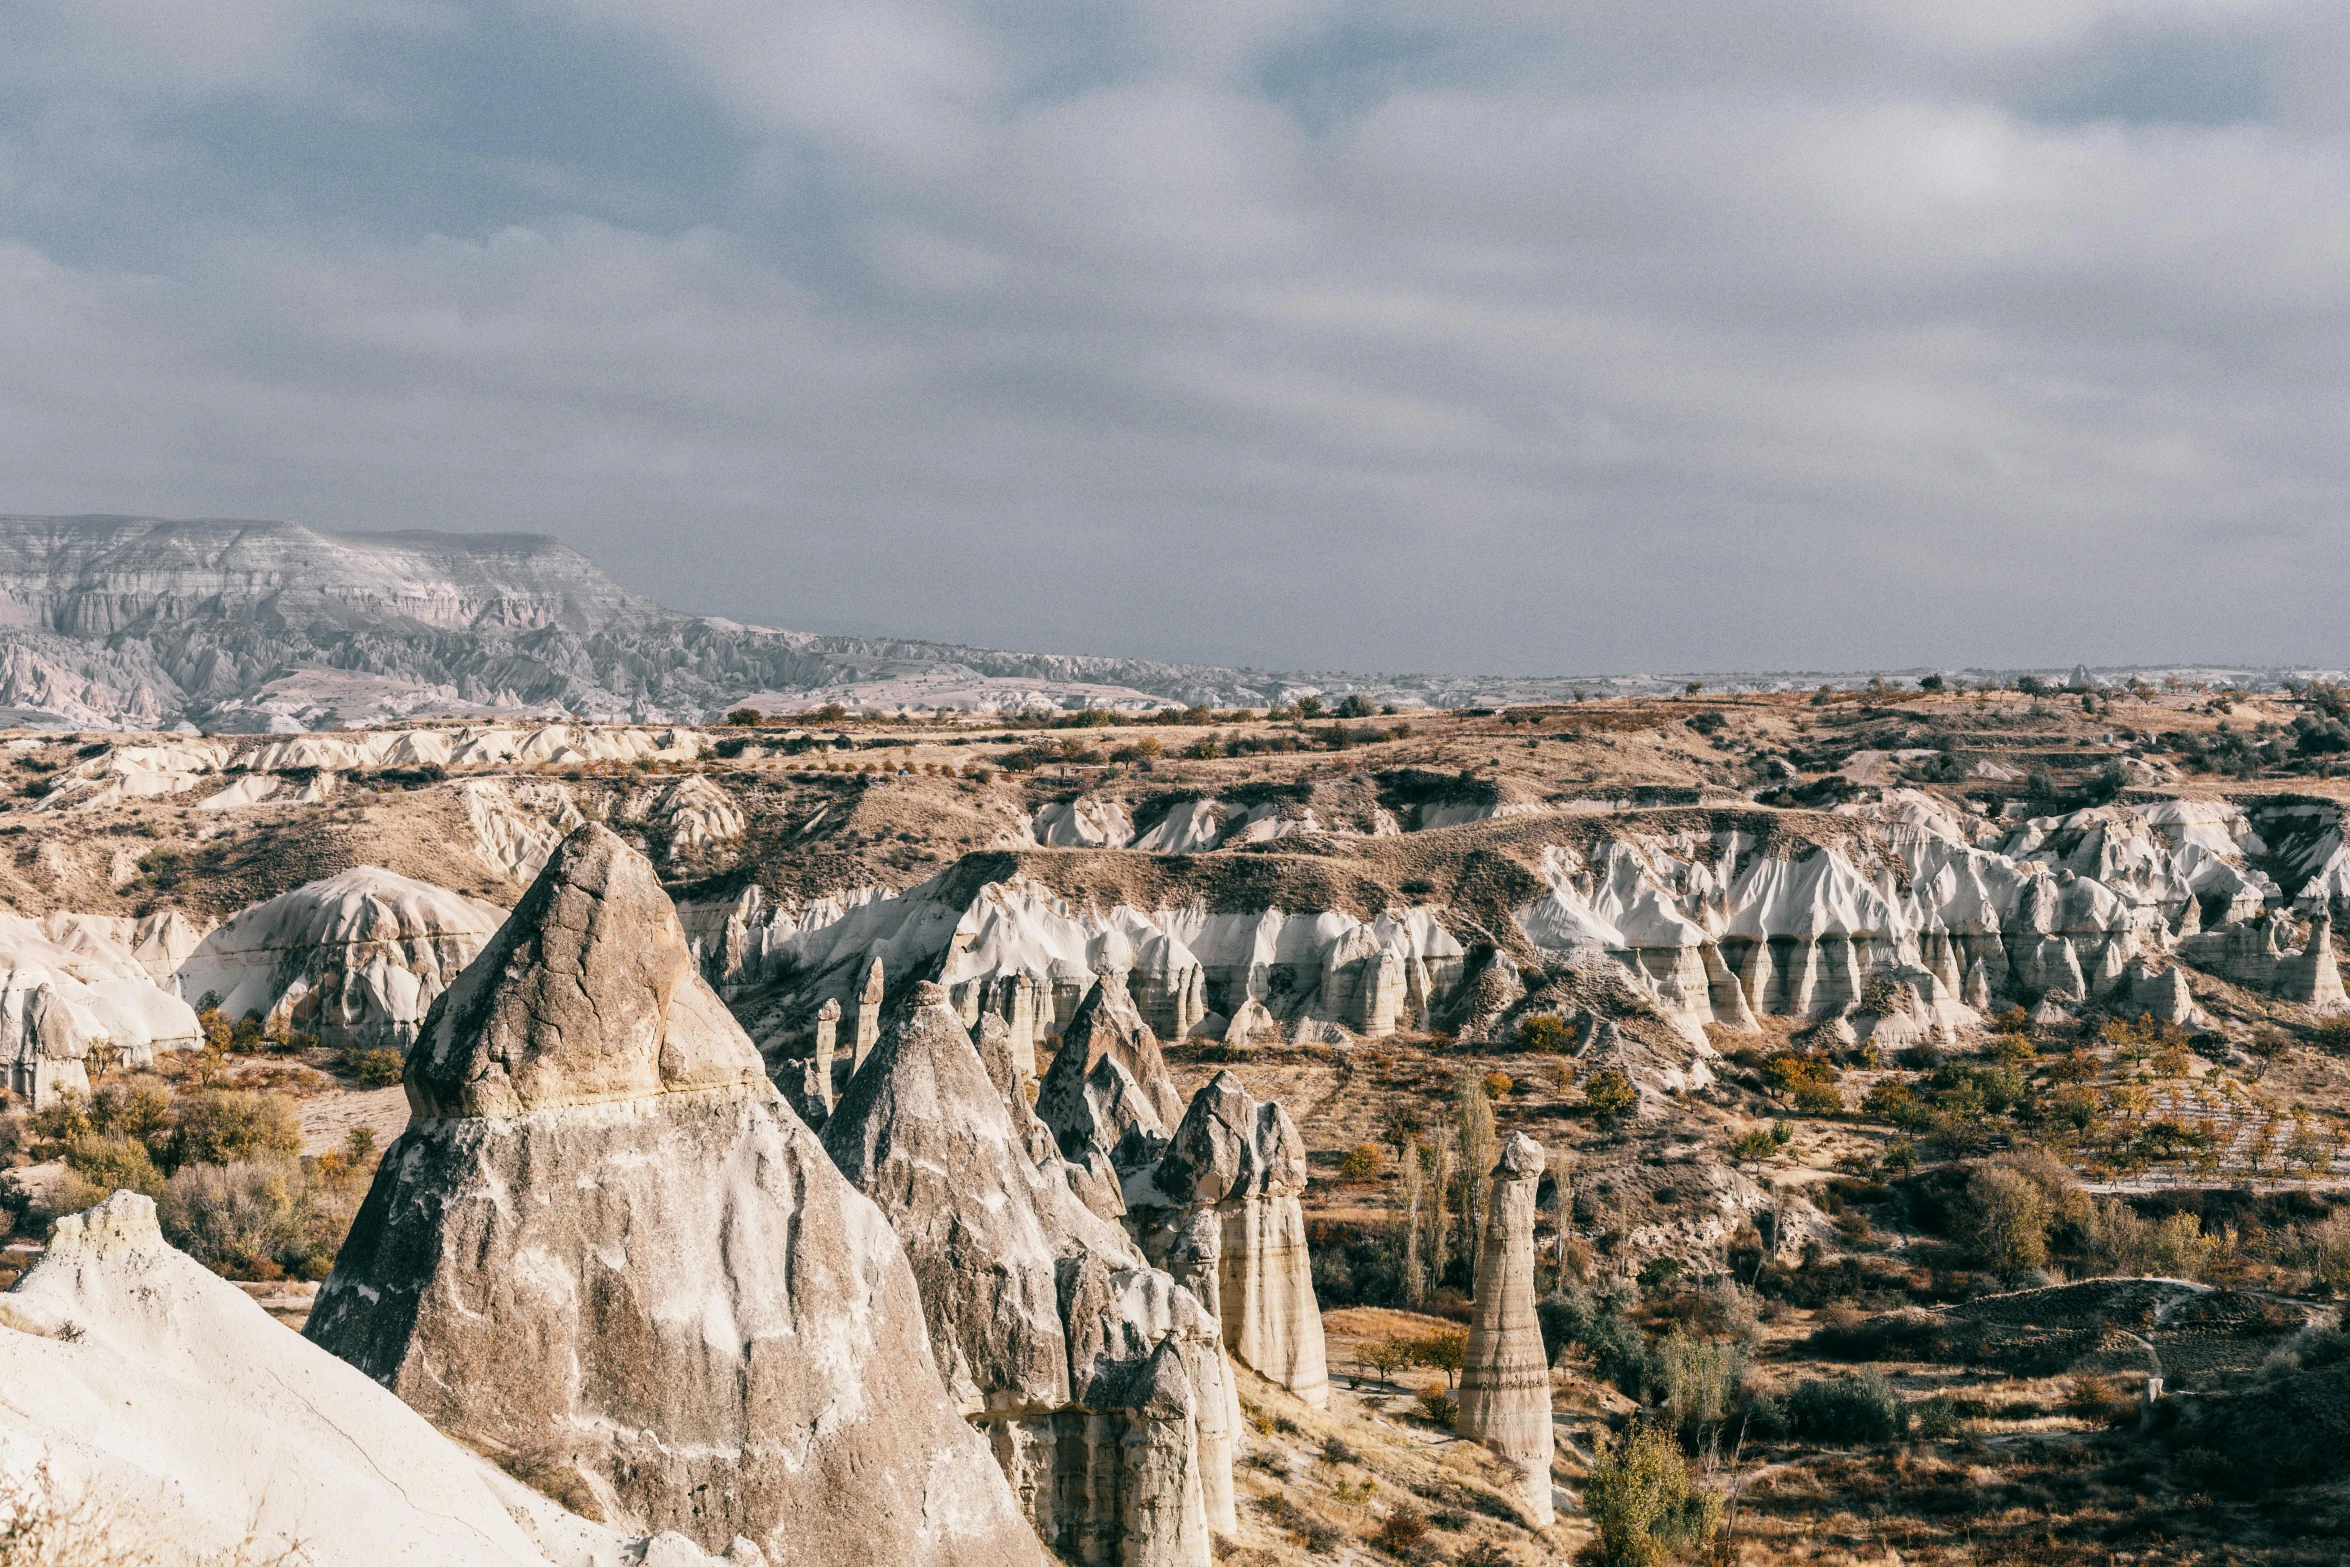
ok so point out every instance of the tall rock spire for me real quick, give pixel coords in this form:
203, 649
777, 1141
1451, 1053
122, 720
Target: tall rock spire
605, 1244
1505, 1376
1101, 1383
1220, 1211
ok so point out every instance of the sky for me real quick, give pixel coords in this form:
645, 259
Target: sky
1474, 335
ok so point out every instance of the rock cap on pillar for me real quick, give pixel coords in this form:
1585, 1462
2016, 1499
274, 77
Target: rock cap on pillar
1505, 1375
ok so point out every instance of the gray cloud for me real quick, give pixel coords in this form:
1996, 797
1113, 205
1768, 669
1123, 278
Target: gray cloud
1386, 336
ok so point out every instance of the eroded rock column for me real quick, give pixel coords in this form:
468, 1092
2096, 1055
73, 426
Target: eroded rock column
868, 1019
827, 1041
1505, 1377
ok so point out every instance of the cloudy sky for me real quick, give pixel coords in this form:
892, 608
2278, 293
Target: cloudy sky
1495, 335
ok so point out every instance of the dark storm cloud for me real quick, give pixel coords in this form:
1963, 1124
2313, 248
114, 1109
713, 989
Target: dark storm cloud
1466, 336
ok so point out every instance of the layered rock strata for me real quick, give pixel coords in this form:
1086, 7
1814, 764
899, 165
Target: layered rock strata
356, 958
1102, 1384
604, 1244
1505, 1376
1220, 1211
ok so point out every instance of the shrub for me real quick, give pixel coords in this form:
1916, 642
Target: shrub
1403, 1532
1546, 1033
2099, 1402
2172, 1247
1642, 1503
745, 717
1362, 1162
230, 1127
100, 1164
1597, 1321
1438, 1404
2005, 1219
1845, 1409
257, 1219
1499, 1084
1936, 1419
1754, 1147
1610, 1094
136, 1110
1697, 1383
66, 1118
379, 1068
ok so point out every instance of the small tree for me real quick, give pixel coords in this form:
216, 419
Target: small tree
1546, 1033
2006, 1220
1641, 1500
1610, 1095
1361, 1163
745, 717
1443, 1350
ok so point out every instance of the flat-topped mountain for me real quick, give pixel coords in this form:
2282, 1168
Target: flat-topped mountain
237, 626
256, 627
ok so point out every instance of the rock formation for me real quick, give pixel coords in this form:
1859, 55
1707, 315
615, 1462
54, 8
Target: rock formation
1101, 1384
604, 1243
52, 1051
868, 1018
74, 981
820, 1086
140, 1381
1220, 1212
2254, 954
1505, 1376
1108, 1088
356, 959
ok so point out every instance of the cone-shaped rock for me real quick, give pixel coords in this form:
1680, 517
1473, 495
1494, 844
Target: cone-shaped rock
1505, 1377
1100, 1383
604, 1244
1220, 1212
923, 1133
1109, 1087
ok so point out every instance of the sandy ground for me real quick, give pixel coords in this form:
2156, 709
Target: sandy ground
328, 1118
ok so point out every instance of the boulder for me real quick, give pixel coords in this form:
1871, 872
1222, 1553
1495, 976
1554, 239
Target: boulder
1505, 1376
1251, 1023
1220, 1211
605, 1246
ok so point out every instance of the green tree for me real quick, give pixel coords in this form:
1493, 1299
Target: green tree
1546, 1032
224, 1128
1479, 1149
1610, 1095
2005, 1219
1641, 1500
